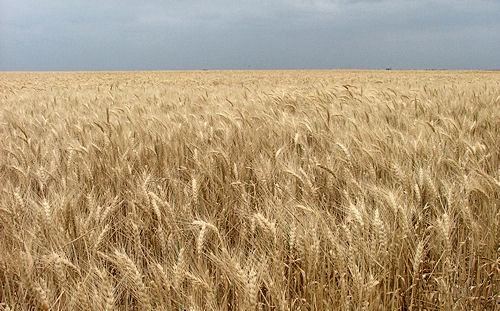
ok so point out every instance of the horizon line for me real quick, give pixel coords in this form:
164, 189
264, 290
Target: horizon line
247, 69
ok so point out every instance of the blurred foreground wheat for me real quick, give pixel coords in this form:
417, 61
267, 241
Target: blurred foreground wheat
307, 190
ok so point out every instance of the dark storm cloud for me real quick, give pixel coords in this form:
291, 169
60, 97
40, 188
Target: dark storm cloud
127, 35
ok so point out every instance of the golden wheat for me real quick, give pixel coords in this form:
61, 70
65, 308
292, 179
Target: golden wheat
250, 190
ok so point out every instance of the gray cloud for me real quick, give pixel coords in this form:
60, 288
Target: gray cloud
128, 35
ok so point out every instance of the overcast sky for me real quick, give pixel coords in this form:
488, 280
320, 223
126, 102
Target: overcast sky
218, 34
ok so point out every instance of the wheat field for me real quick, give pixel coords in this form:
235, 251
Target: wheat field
250, 190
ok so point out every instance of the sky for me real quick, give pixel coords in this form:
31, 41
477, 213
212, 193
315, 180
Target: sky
185, 35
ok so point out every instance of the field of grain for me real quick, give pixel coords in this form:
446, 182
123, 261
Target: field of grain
250, 190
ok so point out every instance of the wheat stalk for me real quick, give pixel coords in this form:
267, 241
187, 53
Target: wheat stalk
133, 278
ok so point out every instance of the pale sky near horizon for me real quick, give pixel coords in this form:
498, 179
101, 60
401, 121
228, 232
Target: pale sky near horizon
221, 34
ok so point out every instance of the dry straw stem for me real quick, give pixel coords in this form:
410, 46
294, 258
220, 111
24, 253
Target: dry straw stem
252, 190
